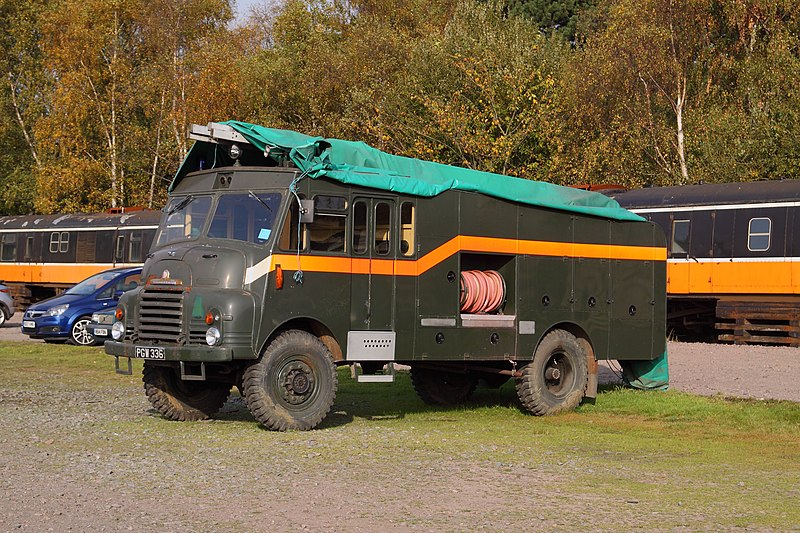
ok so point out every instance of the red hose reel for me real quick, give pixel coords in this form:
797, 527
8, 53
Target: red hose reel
482, 291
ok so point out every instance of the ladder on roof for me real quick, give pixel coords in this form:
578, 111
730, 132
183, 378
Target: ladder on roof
215, 132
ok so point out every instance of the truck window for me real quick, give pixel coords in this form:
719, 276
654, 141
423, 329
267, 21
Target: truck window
383, 228
326, 233
245, 217
288, 237
360, 228
407, 229
184, 219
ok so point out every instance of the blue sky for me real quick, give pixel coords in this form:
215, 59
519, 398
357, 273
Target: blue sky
243, 7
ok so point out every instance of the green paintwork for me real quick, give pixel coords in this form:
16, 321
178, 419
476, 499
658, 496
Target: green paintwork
551, 292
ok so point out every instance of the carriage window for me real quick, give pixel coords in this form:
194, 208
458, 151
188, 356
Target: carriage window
407, 229
359, 227
8, 247
120, 250
29, 248
326, 233
59, 242
680, 237
383, 227
758, 234
135, 252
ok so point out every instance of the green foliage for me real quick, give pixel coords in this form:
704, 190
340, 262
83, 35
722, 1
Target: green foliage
96, 95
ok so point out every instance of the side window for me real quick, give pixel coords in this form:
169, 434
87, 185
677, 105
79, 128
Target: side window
383, 228
135, 251
289, 230
29, 249
8, 247
360, 227
120, 248
407, 229
758, 234
54, 242
327, 232
63, 242
680, 237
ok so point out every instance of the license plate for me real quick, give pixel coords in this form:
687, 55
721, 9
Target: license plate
149, 352
29, 324
100, 331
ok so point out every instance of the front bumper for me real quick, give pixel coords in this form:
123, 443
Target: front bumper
47, 327
205, 354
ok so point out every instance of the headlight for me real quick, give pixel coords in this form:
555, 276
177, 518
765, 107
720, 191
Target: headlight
57, 310
118, 331
213, 336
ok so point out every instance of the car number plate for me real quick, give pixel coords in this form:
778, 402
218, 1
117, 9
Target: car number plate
149, 352
100, 331
28, 324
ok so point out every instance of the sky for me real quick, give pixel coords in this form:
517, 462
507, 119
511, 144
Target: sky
243, 8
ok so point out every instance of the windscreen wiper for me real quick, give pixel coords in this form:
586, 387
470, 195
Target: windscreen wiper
259, 200
180, 205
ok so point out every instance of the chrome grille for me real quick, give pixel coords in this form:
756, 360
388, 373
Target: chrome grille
160, 315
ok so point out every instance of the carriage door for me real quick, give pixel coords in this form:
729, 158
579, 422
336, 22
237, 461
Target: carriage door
374, 243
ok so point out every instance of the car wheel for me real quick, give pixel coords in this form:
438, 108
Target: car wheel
2, 316
79, 334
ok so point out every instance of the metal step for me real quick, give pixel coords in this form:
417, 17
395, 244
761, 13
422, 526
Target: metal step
386, 377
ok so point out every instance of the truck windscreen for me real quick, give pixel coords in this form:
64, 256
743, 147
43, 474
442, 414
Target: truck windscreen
184, 219
247, 217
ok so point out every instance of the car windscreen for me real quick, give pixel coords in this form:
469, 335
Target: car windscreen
247, 217
90, 285
184, 218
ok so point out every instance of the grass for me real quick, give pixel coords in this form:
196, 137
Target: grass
666, 460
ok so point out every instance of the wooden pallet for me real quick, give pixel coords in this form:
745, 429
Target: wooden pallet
759, 322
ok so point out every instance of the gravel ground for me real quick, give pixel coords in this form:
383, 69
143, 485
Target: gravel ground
763, 372
96, 459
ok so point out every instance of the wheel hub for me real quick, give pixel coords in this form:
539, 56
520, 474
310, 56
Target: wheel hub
297, 383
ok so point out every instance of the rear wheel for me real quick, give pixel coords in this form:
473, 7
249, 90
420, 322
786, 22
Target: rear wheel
177, 399
437, 387
556, 379
79, 334
293, 385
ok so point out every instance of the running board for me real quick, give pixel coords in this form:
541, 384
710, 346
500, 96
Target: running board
386, 377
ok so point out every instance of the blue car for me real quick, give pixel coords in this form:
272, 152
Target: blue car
66, 317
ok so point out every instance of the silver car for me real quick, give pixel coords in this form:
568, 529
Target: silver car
7, 305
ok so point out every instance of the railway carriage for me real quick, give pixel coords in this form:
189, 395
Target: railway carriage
41, 255
733, 257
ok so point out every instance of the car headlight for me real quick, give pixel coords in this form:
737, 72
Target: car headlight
213, 336
118, 331
57, 310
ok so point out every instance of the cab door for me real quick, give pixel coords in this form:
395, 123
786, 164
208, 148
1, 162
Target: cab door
374, 252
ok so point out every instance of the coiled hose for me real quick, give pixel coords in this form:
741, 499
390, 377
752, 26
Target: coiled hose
482, 291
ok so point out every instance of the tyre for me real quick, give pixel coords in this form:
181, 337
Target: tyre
178, 399
556, 379
79, 334
437, 387
293, 384
2, 316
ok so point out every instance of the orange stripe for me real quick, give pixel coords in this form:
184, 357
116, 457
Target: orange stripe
67, 274
725, 277
464, 243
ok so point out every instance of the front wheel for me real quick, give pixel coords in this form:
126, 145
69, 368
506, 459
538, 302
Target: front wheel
79, 334
293, 384
177, 399
2, 316
557, 377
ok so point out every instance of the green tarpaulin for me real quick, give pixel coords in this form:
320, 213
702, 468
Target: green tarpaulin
357, 163
647, 375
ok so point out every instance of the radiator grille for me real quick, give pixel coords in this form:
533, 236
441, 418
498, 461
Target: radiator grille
160, 315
